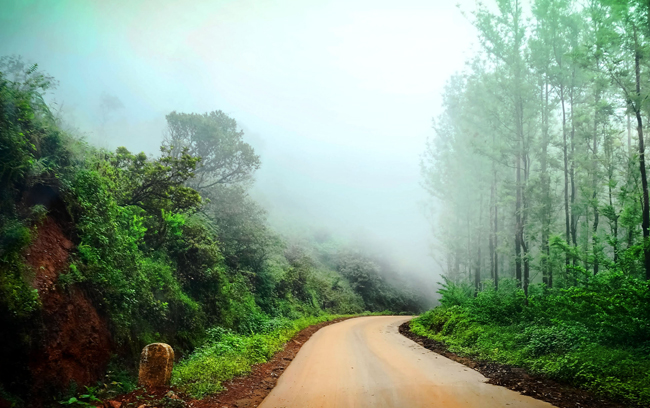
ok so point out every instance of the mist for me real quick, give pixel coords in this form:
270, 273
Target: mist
469, 177
335, 96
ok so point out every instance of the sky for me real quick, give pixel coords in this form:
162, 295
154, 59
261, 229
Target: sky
336, 96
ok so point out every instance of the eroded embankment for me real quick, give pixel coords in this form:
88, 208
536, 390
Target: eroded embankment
65, 342
74, 341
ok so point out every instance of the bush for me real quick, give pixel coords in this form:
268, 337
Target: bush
540, 340
593, 337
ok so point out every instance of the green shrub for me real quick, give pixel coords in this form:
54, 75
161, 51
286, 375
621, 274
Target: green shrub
593, 337
561, 338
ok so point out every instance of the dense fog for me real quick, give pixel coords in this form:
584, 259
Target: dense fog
225, 178
336, 97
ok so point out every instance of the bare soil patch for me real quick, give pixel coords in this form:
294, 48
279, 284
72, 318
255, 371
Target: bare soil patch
517, 379
74, 343
240, 392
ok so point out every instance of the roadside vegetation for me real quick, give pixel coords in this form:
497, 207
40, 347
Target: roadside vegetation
538, 178
226, 354
166, 248
594, 338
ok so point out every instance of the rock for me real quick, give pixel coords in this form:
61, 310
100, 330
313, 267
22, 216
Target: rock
156, 364
168, 402
243, 403
171, 395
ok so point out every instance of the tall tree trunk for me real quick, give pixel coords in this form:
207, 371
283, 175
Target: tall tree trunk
469, 254
644, 181
477, 271
518, 225
567, 219
615, 226
547, 277
524, 222
491, 238
574, 218
585, 261
629, 135
457, 265
594, 197
524, 246
496, 232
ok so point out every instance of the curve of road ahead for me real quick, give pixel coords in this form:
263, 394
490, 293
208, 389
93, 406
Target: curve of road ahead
365, 362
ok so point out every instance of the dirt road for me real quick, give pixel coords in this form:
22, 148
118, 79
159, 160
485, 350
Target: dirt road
365, 362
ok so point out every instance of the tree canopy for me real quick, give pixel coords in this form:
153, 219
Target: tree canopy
216, 139
538, 161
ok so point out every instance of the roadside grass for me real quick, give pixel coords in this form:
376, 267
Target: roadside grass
567, 353
226, 354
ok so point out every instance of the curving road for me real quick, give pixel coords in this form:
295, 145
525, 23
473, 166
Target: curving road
365, 362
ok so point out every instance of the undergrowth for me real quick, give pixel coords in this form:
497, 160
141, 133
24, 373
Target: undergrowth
595, 338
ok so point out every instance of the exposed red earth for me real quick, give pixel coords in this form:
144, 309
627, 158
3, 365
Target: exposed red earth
72, 333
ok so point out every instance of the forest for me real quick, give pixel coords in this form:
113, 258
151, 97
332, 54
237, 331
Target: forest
103, 252
533, 175
538, 166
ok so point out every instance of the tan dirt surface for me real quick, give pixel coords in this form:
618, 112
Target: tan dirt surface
365, 362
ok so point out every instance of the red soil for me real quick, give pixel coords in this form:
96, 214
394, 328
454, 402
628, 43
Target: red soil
74, 340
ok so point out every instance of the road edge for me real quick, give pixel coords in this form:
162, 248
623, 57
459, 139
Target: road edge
516, 378
250, 390
240, 392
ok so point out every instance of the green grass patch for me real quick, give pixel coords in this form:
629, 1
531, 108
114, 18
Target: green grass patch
226, 354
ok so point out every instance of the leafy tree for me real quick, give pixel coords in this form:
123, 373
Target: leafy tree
240, 224
155, 185
215, 138
167, 248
